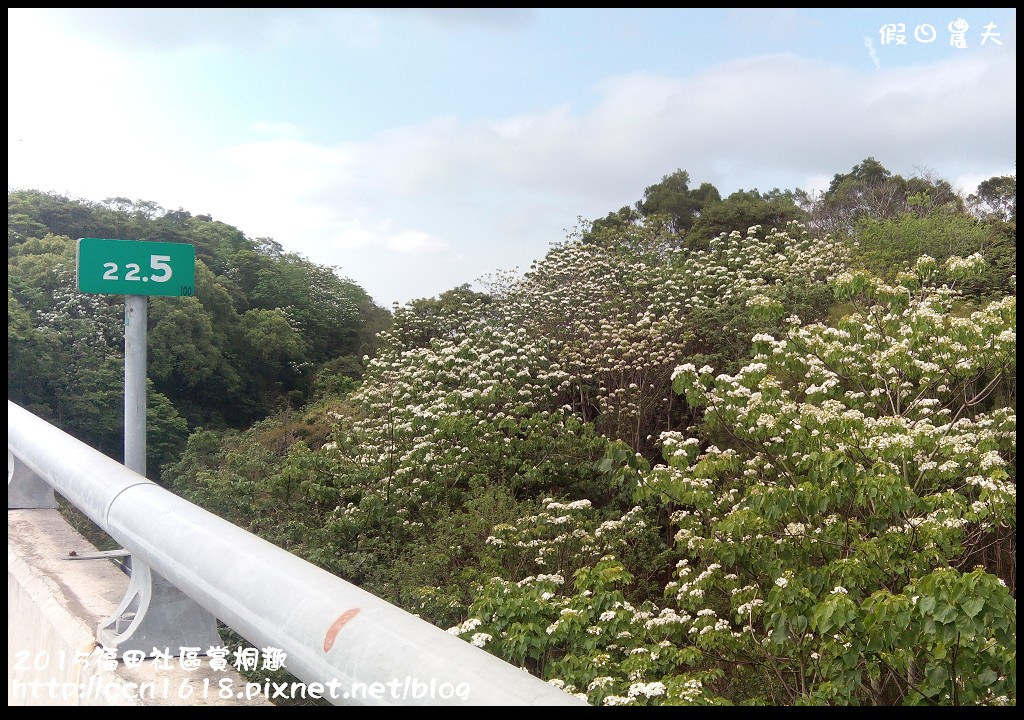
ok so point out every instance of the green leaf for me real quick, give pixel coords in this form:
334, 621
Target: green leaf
972, 606
987, 676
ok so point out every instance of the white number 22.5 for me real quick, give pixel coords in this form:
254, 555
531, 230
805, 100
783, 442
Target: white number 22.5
157, 262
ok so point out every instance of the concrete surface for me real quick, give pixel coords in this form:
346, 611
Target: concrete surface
53, 608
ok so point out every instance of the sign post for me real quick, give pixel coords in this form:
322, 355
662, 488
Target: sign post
135, 269
136, 311
154, 613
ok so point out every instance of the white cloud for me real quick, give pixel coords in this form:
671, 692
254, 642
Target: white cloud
518, 182
762, 117
818, 183
277, 129
352, 237
967, 184
405, 242
872, 53
496, 191
415, 243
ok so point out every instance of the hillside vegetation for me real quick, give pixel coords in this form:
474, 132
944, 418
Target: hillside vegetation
265, 330
758, 449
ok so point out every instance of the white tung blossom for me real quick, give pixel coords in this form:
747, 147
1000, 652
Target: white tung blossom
653, 689
465, 627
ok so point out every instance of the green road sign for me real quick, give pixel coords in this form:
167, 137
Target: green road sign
136, 267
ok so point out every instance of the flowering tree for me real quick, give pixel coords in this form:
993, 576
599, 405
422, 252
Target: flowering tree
835, 516
624, 306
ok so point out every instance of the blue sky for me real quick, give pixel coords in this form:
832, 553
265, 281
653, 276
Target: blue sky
421, 149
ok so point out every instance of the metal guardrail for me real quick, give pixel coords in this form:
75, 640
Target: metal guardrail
329, 629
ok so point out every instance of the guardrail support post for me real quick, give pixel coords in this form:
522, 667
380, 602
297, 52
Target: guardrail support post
25, 489
154, 616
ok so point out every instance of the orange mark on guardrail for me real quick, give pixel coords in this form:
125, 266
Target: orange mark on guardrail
336, 626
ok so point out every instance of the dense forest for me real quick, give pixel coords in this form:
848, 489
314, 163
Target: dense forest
753, 449
265, 330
